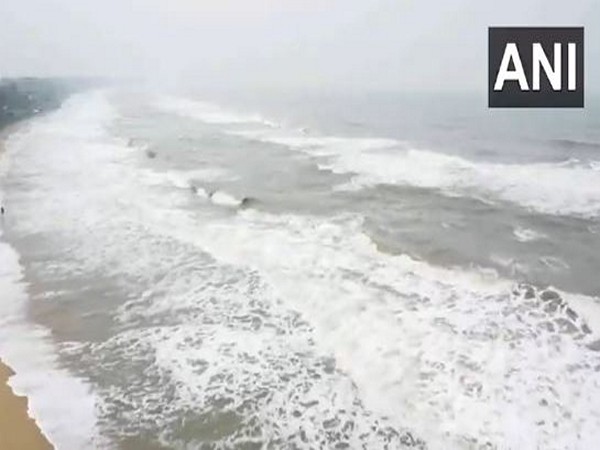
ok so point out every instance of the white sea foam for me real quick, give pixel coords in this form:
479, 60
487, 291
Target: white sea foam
527, 234
450, 354
454, 355
544, 187
555, 188
208, 332
595, 165
225, 199
184, 179
192, 180
458, 357
62, 405
208, 112
318, 145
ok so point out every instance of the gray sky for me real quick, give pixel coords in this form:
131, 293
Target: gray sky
374, 44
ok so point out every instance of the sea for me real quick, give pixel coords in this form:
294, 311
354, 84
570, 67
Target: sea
303, 270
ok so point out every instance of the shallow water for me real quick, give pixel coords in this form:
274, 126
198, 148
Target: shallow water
368, 293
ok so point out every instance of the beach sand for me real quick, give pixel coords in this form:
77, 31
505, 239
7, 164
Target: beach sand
17, 430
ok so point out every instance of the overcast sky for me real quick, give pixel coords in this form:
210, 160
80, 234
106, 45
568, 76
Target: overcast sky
373, 44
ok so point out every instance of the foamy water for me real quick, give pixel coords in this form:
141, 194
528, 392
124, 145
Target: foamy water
209, 112
564, 188
205, 323
62, 405
528, 235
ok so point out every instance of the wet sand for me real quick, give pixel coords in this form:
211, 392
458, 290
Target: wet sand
17, 430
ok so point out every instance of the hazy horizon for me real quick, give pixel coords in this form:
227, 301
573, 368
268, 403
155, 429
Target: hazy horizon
382, 45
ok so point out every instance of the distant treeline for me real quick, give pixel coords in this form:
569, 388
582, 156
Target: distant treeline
21, 98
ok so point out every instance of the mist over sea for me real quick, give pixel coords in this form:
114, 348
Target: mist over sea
303, 270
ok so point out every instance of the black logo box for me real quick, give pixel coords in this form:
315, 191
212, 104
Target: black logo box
511, 96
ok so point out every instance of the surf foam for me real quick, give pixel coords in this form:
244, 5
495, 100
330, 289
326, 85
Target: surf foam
62, 405
552, 188
290, 323
453, 355
208, 112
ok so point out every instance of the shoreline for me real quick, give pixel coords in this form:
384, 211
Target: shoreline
18, 430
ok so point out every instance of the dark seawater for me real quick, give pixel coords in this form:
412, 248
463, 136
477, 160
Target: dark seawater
305, 270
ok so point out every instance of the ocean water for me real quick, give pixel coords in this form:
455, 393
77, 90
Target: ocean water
251, 270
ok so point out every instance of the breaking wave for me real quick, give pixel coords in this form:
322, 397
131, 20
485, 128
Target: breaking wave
565, 188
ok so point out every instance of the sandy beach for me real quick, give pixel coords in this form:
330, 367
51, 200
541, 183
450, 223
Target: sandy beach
17, 430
